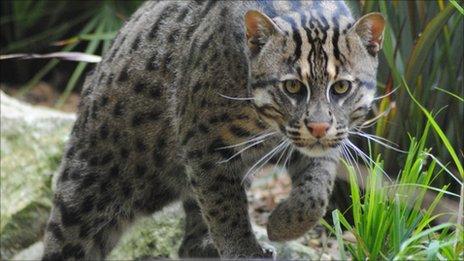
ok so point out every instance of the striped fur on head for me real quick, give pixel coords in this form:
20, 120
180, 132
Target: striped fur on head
315, 50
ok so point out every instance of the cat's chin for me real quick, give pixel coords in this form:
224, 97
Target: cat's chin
317, 151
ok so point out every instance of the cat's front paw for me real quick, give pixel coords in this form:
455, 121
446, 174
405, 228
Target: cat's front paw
287, 222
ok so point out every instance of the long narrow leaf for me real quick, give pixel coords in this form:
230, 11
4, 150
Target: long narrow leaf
439, 131
67, 56
338, 234
425, 43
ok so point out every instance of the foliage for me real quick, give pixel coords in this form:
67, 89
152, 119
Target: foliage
85, 25
390, 221
423, 43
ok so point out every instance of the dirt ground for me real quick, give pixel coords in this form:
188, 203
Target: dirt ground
44, 94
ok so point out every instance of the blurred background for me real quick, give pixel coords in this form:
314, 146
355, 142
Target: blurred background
423, 49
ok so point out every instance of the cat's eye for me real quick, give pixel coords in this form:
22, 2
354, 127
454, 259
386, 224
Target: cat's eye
292, 87
341, 87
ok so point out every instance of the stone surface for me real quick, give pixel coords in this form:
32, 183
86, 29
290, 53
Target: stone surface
32, 140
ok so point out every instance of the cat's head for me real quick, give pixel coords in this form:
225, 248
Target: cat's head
313, 80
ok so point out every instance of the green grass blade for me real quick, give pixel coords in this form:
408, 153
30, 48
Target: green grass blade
54, 32
51, 64
423, 234
355, 196
459, 98
425, 43
338, 235
102, 36
457, 6
93, 45
439, 131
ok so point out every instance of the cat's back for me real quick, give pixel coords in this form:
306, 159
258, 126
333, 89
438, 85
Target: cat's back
162, 41
161, 33
167, 48
133, 95
165, 39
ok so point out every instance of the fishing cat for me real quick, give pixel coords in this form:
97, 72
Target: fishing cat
191, 99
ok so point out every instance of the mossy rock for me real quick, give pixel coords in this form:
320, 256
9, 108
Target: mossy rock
32, 141
23, 228
158, 236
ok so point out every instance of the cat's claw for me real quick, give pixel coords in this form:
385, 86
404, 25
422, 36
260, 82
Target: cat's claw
269, 252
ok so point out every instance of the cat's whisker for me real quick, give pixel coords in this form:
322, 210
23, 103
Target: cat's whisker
366, 158
236, 98
353, 162
348, 155
342, 151
358, 152
372, 121
356, 164
289, 155
444, 168
365, 126
282, 155
255, 138
242, 150
264, 159
385, 95
282, 151
281, 148
377, 137
383, 143
378, 141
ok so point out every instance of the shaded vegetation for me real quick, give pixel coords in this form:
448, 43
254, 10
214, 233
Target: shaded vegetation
46, 26
389, 220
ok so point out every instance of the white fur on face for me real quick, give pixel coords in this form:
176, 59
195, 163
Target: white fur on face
318, 151
261, 97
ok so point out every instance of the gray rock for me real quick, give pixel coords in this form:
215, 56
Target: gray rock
32, 141
33, 252
289, 250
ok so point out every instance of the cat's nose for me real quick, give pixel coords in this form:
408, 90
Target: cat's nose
318, 129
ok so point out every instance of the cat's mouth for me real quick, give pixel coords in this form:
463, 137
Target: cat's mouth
317, 147
317, 143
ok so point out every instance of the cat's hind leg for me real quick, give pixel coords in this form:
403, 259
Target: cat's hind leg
84, 226
196, 242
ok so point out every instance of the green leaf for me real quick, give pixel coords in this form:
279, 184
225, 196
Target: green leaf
423, 234
439, 131
338, 234
426, 43
457, 6
459, 98
93, 45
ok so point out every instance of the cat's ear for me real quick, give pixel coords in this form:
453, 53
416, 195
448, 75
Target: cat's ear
259, 27
370, 28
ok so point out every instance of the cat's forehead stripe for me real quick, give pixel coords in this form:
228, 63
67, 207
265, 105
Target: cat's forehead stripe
296, 36
316, 42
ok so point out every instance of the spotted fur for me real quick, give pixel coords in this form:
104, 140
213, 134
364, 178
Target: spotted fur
184, 88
